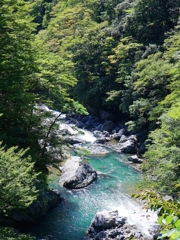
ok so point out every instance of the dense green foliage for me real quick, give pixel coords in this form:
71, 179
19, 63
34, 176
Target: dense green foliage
18, 179
30, 76
117, 55
9, 234
125, 56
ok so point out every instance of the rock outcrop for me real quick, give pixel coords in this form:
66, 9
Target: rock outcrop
77, 174
109, 225
23, 221
128, 144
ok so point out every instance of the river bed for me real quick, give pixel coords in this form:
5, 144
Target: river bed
116, 182
72, 217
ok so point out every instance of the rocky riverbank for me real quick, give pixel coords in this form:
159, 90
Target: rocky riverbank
77, 173
23, 221
110, 225
110, 133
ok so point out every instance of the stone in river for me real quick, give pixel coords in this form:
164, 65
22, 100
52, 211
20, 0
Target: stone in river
77, 174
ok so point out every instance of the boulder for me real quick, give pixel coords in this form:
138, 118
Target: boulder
72, 140
102, 137
102, 140
128, 144
105, 220
97, 133
97, 150
106, 134
118, 135
77, 174
89, 123
123, 138
110, 225
135, 159
107, 126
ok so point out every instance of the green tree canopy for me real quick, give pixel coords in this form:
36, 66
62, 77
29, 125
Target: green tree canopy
18, 180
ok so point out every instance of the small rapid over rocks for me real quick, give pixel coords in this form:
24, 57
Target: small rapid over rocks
74, 218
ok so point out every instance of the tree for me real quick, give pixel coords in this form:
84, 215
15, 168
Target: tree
9, 234
72, 35
18, 180
150, 19
149, 88
124, 58
17, 65
29, 75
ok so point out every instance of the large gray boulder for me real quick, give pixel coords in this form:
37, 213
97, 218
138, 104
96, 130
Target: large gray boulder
110, 225
107, 219
128, 144
77, 174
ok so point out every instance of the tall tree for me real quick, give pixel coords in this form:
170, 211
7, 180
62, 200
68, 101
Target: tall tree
148, 20
17, 65
18, 180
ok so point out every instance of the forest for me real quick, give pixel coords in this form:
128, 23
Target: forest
83, 56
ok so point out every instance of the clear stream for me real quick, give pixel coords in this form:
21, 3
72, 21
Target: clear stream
72, 217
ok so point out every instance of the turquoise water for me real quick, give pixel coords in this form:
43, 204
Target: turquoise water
72, 217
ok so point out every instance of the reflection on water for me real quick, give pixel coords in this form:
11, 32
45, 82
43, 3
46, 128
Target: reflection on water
71, 218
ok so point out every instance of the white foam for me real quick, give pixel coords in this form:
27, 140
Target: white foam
86, 136
136, 215
81, 134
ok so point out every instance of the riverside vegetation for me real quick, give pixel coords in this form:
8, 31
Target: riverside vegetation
85, 56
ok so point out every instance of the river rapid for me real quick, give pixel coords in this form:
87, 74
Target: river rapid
116, 181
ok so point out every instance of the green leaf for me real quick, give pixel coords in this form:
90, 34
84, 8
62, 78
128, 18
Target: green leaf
160, 219
177, 224
169, 219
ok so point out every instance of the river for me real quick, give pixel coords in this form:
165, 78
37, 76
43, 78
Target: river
72, 217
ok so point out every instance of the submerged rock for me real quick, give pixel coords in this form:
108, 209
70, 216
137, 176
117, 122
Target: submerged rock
97, 150
77, 174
